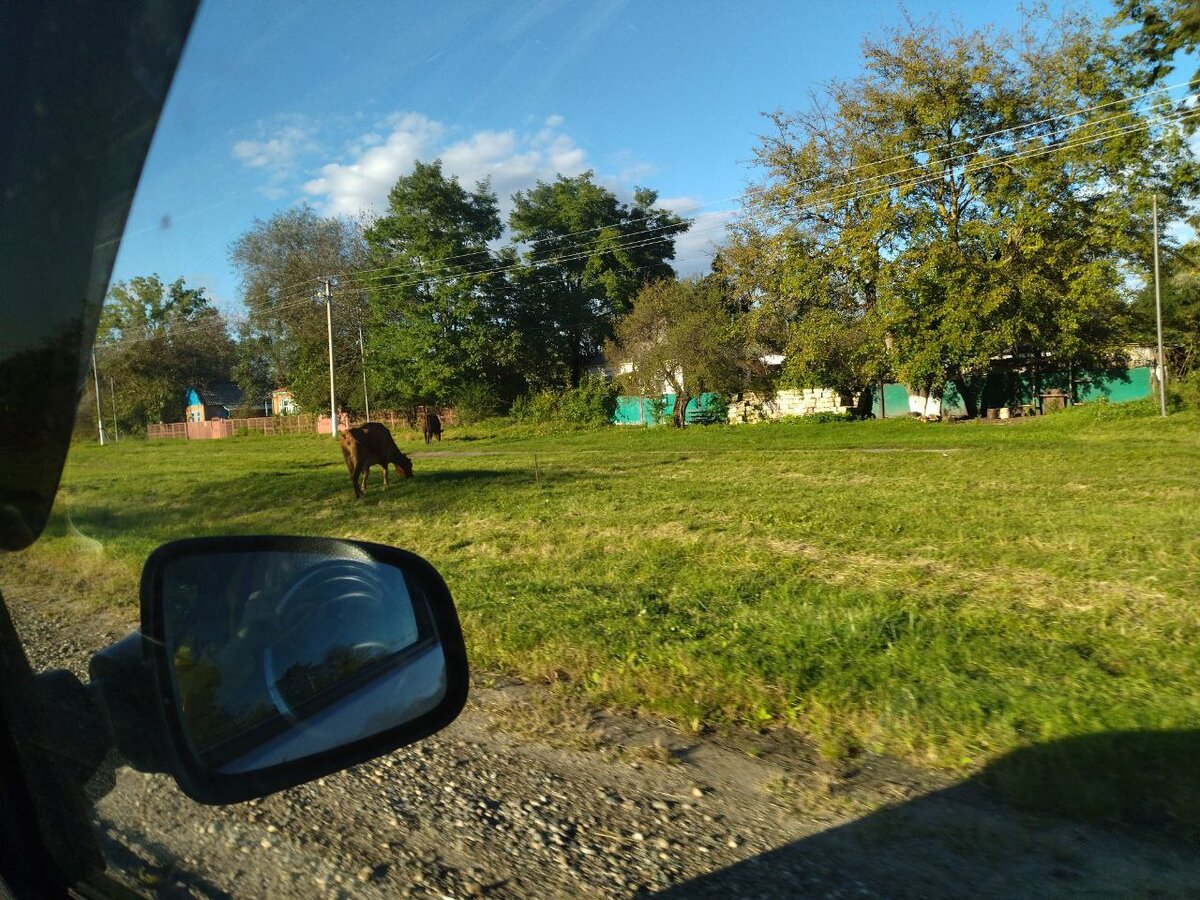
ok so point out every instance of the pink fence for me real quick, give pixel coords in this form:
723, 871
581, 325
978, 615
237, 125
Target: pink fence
301, 424
220, 428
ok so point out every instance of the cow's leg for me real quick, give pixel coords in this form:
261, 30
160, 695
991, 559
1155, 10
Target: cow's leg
385, 477
360, 479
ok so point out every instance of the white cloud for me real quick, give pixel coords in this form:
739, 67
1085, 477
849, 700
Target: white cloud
363, 184
280, 148
694, 248
512, 160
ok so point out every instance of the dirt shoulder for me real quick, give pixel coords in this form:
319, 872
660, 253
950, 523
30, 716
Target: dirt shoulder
523, 797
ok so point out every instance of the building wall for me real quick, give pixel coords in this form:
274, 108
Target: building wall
283, 403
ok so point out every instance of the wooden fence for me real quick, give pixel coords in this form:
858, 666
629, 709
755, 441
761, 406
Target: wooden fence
301, 424
220, 428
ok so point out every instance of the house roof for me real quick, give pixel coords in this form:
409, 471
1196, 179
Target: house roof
223, 393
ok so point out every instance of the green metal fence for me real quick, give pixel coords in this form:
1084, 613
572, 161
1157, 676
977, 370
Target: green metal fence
655, 410
1002, 388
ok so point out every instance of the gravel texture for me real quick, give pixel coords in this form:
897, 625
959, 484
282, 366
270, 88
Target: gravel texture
511, 802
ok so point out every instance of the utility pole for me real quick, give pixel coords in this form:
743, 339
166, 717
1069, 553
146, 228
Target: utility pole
333, 422
96, 381
112, 395
1162, 363
362, 355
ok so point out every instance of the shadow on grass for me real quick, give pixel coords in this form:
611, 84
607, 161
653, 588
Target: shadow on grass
236, 504
1113, 814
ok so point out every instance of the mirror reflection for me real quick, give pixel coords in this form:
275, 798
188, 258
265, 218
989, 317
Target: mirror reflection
281, 655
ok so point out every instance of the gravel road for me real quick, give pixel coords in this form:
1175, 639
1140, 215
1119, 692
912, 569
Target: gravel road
514, 801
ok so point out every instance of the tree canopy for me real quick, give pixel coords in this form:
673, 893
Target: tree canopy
284, 341
972, 194
436, 297
1166, 29
682, 334
587, 254
155, 341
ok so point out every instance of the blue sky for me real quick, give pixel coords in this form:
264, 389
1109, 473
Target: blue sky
281, 103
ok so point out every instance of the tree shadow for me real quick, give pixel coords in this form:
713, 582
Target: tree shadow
1107, 815
232, 504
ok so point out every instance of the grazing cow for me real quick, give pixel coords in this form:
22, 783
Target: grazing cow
371, 445
433, 426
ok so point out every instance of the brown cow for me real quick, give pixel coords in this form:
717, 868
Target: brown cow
371, 445
433, 426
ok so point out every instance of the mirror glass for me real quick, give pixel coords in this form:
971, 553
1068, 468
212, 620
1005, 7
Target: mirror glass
280, 655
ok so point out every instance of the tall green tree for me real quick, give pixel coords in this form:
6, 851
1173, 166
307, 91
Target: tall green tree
284, 342
1180, 301
1166, 28
436, 295
155, 341
972, 194
588, 254
681, 334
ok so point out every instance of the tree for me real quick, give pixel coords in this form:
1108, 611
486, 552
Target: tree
971, 195
155, 341
282, 262
1180, 293
682, 334
588, 254
1165, 29
436, 299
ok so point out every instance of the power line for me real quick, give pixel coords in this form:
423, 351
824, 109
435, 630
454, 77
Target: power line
1073, 113
836, 195
738, 197
950, 159
408, 277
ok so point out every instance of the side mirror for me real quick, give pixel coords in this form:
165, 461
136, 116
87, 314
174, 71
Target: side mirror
276, 660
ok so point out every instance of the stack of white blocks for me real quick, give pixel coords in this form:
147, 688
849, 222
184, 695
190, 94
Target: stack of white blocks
801, 402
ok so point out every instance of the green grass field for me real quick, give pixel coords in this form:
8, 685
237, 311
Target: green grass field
943, 593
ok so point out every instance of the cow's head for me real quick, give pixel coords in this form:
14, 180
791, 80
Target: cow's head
403, 465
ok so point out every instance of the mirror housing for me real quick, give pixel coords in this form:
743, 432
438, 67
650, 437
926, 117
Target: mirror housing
272, 661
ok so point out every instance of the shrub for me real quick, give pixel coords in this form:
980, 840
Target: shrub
1184, 392
591, 405
475, 402
825, 418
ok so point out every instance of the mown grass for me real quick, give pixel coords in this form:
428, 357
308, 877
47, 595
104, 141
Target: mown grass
945, 593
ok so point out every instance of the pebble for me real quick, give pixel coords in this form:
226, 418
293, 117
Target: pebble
528, 831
